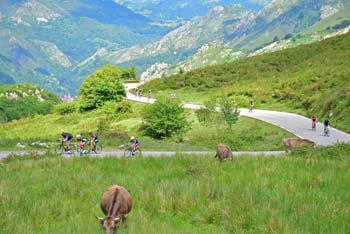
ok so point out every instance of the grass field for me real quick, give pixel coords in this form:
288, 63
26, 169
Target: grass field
304, 192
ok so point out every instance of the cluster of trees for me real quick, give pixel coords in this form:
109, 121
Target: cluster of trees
20, 101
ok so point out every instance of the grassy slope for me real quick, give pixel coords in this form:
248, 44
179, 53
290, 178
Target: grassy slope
330, 21
307, 79
247, 134
288, 194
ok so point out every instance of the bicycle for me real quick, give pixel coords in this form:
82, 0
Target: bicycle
86, 150
313, 126
61, 147
128, 152
98, 148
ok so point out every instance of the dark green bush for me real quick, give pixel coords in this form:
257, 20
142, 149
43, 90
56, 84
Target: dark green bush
165, 118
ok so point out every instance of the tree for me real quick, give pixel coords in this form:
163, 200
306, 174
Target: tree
165, 118
230, 114
103, 85
212, 113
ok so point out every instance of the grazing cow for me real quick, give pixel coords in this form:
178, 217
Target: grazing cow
223, 152
116, 203
296, 142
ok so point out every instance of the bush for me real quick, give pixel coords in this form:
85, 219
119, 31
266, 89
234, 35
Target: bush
65, 108
102, 86
165, 118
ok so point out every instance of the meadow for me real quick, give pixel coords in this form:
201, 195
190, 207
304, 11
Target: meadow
303, 192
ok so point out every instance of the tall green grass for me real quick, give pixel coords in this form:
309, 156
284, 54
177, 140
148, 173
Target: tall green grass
305, 192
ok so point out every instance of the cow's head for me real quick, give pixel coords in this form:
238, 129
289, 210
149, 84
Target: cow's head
109, 223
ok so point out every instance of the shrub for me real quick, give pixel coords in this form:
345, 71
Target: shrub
104, 85
165, 118
65, 108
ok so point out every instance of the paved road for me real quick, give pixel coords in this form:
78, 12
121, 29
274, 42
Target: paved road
294, 123
118, 153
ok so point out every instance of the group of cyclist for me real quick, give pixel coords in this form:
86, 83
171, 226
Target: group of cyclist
68, 137
326, 124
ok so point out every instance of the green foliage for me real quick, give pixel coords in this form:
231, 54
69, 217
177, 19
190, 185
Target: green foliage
65, 108
20, 101
165, 118
103, 85
129, 74
230, 115
215, 113
341, 25
208, 115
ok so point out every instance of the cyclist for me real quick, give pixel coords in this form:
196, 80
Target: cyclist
149, 94
93, 141
326, 124
314, 120
67, 138
251, 105
234, 104
81, 142
133, 144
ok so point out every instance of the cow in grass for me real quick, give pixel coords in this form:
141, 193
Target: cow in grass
223, 152
116, 204
296, 142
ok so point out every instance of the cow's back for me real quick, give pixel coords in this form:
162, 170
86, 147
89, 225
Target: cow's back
296, 142
223, 152
116, 195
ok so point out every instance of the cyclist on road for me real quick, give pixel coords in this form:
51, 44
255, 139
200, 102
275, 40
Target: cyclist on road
94, 140
133, 144
251, 105
326, 124
67, 139
81, 142
314, 120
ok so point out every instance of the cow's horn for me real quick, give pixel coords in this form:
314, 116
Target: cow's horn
99, 218
116, 219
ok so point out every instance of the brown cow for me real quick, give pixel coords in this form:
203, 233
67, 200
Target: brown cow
223, 152
296, 142
116, 203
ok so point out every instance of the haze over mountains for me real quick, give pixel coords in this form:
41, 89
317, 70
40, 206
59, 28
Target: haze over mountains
58, 43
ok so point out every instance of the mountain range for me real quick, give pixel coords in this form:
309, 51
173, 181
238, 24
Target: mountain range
57, 44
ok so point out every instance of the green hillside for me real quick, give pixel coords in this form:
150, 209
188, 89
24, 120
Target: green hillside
307, 79
20, 101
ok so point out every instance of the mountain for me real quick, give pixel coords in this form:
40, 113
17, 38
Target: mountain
184, 41
175, 11
46, 42
282, 17
208, 55
56, 44
281, 24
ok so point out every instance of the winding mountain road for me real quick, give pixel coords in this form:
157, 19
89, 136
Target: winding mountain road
293, 123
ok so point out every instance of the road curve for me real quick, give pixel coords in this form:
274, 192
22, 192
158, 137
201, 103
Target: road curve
296, 124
